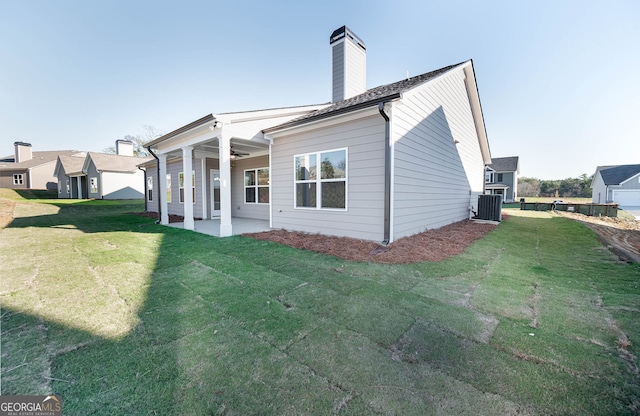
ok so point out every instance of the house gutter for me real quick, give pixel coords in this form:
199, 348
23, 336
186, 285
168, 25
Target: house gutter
159, 196
387, 175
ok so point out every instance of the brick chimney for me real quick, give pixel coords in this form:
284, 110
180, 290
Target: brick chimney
124, 147
23, 151
349, 56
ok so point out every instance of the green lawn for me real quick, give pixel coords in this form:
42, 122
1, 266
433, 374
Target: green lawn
120, 317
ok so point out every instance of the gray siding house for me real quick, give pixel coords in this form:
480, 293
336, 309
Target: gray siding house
501, 178
619, 184
27, 169
95, 175
376, 164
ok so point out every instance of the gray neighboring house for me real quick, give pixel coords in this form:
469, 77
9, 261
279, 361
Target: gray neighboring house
376, 164
617, 184
26, 169
501, 178
72, 182
95, 175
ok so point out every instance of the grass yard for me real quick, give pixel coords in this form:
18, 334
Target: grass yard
120, 316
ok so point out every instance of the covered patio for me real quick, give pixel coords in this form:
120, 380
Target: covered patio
240, 226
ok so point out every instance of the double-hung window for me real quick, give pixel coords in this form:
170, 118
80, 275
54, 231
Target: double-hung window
93, 184
193, 185
321, 180
17, 179
256, 186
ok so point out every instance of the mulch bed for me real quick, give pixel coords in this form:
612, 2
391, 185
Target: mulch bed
431, 245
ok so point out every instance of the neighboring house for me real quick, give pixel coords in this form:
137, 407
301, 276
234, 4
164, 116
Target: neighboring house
501, 178
376, 164
619, 184
72, 182
27, 169
102, 175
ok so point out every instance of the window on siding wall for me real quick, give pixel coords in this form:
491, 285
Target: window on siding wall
150, 188
68, 186
59, 187
499, 177
168, 187
193, 185
18, 179
321, 180
256, 186
93, 182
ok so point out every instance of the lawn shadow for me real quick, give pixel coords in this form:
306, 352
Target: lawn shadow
186, 323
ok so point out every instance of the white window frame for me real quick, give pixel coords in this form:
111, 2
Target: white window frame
18, 179
319, 181
68, 186
149, 188
93, 184
59, 187
168, 187
257, 186
181, 186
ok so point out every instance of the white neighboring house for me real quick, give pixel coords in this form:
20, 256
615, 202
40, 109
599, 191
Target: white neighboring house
102, 175
619, 184
376, 164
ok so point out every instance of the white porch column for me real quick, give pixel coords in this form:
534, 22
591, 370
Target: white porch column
187, 168
162, 190
225, 186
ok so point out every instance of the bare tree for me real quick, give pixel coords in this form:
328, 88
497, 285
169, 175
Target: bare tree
147, 134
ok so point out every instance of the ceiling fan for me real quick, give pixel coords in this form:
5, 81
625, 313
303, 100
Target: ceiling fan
235, 153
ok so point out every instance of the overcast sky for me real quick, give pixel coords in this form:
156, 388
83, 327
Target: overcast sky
558, 80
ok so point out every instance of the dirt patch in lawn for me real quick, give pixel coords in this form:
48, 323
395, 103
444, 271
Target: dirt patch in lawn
622, 236
431, 245
6, 213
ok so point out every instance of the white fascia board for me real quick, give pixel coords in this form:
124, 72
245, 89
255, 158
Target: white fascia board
192, 137
325, 122
241, 117
476, 110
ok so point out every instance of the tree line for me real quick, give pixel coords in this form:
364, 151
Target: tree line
579, 187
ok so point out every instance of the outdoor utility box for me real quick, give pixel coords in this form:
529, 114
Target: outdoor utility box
490, 207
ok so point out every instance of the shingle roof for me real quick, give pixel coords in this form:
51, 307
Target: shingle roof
116, 163
72, 164
368, 98
39, 158
615, 175
504, 164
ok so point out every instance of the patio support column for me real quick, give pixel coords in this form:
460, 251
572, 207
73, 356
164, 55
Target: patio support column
225, 186
162, 190
187, 168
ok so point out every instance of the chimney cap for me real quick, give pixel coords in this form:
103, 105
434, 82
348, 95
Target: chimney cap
344, 31
22, 144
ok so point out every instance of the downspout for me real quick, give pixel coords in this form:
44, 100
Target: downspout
159, 193
387, 175
146, 194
